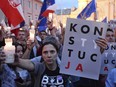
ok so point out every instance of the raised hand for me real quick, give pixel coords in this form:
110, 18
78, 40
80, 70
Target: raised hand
102, 43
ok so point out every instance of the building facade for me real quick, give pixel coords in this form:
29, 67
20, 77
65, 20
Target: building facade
31, 9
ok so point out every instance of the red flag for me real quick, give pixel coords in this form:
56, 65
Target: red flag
9, 8
15, 31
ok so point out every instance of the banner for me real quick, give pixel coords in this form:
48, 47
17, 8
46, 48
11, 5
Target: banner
46, 4
81, 55
88, 10
11, 11
108, 58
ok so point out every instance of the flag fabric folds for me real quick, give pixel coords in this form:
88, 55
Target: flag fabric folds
11, 9
104, 20
42, 28
50, 9
88, 10
15, 30
43, 19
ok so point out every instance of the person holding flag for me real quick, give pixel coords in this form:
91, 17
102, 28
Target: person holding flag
42, 17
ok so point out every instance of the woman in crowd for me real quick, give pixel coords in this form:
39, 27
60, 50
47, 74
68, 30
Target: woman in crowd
12, 76
23, 76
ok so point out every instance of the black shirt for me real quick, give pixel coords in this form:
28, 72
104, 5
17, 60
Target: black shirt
2, 43
53, 78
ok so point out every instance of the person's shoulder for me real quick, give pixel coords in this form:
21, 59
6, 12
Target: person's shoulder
36, 59
5, 66
113, 70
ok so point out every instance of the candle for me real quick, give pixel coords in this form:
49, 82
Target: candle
9, 49
32, 34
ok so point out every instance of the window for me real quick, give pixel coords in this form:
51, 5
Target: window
21, 1
29, 19
36, 6
29, 4
36, 17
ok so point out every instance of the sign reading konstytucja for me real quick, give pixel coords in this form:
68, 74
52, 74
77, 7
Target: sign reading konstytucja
81, 55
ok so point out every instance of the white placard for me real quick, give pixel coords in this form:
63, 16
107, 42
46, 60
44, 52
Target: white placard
81, 55
108, 58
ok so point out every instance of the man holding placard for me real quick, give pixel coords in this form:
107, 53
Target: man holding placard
108, 58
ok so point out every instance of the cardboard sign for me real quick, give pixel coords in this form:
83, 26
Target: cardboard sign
108, 58
81, 55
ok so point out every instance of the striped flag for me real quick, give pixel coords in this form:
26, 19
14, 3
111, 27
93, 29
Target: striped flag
12, 11
42, 15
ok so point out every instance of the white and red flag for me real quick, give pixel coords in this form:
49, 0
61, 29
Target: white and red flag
12, 11
50, 9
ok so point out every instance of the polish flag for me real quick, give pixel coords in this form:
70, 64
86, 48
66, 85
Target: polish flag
11, 9
50, 9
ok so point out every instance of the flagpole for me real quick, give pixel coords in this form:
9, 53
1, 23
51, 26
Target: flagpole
83, 16
56, 20
95, 13
61, 15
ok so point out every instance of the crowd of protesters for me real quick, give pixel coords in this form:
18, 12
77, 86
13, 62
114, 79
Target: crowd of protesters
37, 64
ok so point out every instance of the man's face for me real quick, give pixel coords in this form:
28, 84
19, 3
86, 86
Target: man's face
43, 35
110, 36
21, 36
49, 54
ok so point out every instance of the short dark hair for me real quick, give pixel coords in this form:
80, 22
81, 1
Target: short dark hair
109, 29
51, 40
